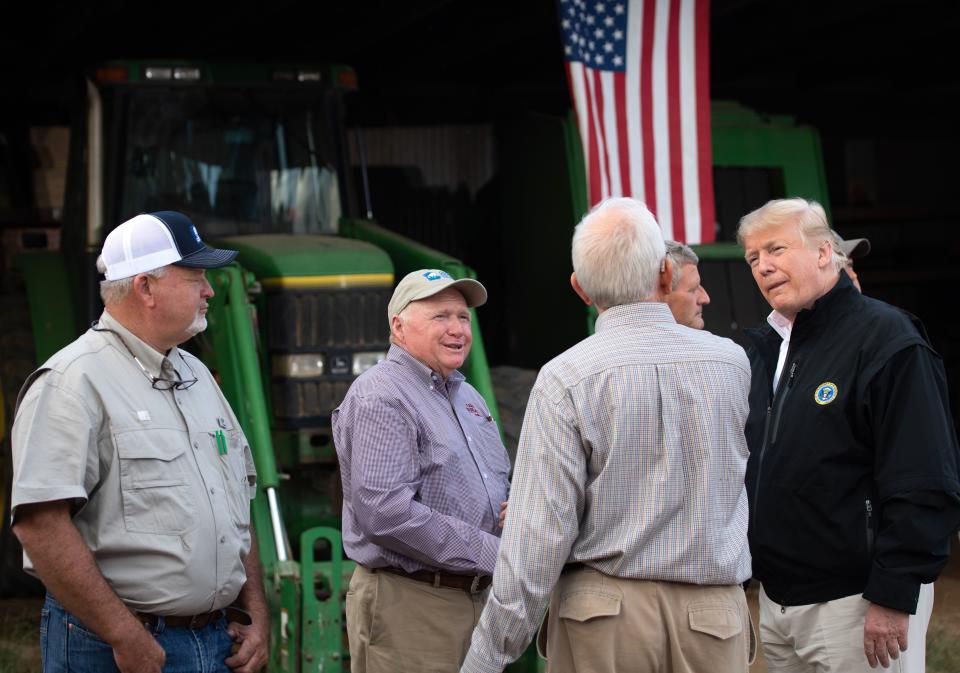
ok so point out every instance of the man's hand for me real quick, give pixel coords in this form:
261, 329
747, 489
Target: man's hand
139, 652
503, 513
884, 634
251, 655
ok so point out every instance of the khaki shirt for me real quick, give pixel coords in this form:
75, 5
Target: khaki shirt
166, 516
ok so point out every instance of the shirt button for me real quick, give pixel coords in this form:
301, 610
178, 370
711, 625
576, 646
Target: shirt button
212, 491
196, 446
223, 539
484, 475
469, 439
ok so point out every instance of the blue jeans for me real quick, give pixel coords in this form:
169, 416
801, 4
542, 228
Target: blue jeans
67, 645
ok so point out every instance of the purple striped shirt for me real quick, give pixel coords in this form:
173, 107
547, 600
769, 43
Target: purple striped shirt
424, 470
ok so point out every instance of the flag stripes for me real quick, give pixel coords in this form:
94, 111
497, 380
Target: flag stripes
638, 72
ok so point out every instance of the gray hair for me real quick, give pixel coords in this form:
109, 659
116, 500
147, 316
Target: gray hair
679, 254
809, 217
115, 291
617, 249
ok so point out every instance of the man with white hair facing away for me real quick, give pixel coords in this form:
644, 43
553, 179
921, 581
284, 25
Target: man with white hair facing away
628, 512
132, 478
687, 296
853, 483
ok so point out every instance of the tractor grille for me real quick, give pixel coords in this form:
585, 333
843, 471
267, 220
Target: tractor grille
305, 320
332, 323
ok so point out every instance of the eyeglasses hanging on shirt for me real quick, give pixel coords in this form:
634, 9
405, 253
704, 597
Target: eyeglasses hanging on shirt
157, 382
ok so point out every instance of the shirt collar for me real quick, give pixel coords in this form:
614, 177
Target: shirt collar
781, 324
630, 314
159, 365
421, 371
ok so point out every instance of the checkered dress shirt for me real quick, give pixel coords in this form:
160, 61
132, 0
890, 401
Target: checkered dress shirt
631, 461
424, 470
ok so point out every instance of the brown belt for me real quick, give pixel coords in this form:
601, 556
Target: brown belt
470, 583
200, 621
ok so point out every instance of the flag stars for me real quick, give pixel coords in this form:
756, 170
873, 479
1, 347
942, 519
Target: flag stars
598, 59
608, 22
618, 35
600, 8
619, 8
608, 47
617, 61
598, 33
566, 24
590, 19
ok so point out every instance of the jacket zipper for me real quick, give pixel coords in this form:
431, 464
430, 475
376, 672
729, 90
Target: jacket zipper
869, 507
773, 410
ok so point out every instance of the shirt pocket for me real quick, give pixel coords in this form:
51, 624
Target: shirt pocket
233, 469
154, 482
491, 446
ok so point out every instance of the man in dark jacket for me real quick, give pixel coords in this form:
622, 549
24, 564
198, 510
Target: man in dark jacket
852, 478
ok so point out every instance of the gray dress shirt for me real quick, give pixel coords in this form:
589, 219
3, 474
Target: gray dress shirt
164, 511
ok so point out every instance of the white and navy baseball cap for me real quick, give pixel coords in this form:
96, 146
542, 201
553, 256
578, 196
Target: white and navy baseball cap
152, 240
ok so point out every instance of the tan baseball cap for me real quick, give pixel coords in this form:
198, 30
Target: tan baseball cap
425, 283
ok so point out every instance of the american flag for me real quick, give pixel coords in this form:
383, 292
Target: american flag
639, 77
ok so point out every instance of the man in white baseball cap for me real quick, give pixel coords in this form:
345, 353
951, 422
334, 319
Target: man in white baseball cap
425, 483
132, 478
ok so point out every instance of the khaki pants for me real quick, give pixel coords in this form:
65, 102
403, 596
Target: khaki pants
828, 637
603, 624
397, 624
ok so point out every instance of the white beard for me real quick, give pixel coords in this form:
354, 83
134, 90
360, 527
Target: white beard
198, 325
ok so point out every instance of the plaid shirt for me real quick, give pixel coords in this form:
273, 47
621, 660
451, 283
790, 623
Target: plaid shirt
631, 461
423, 468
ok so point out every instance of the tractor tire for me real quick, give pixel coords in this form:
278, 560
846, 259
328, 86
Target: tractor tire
16, 363
512, 385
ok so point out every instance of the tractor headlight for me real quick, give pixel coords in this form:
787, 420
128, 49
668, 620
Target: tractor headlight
364, 361
299, 366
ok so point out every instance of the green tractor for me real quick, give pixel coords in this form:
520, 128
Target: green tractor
256, 155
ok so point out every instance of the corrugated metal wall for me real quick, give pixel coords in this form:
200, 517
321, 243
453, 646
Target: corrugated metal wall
424, 180
447, 156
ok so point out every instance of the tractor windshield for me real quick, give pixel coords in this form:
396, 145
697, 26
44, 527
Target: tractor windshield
236, 161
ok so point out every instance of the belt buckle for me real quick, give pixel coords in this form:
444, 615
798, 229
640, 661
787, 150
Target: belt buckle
475, 584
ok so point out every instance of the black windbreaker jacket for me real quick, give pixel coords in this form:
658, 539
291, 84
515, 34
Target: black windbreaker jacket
852, 477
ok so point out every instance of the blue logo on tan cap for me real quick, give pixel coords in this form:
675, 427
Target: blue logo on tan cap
434, 274
826, 393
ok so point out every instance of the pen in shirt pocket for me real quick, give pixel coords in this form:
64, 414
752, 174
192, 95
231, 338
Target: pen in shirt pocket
221, 443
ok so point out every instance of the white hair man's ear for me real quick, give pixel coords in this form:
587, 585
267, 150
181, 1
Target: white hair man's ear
665, 278
579, 290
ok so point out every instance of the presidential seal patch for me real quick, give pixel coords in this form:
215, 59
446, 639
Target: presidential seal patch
826, 393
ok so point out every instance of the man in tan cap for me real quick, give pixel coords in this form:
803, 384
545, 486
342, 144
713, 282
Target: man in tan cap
425, 483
